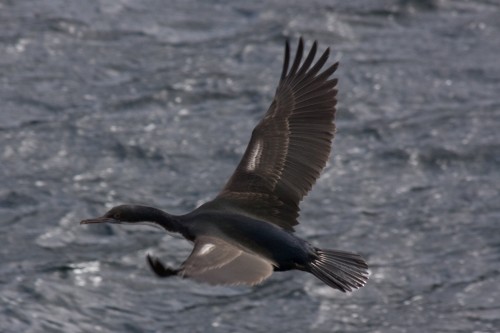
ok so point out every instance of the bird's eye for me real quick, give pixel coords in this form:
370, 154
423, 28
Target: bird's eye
116, 216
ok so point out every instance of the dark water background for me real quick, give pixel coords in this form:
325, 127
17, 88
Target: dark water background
120, 101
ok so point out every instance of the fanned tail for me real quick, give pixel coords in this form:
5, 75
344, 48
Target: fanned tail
341, 270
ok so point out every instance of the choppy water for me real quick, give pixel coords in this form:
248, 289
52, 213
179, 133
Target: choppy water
106, 102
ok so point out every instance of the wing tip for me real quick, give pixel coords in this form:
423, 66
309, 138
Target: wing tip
308, 68
286, 60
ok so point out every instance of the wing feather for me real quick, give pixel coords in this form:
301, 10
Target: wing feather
290, 146
216, 262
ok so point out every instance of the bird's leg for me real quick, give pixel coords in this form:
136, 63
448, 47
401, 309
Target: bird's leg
160, 269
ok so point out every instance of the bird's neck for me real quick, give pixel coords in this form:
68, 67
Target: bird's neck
163, 219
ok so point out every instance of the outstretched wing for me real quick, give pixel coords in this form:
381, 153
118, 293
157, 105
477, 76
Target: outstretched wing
290, 146
217, 262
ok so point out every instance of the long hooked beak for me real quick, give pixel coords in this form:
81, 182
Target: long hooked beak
101, 219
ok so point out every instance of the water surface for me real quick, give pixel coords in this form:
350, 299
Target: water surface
107, 102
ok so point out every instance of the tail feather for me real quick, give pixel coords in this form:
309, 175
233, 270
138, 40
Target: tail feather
341, 270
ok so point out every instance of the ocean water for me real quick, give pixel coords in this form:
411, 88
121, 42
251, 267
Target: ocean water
107, 102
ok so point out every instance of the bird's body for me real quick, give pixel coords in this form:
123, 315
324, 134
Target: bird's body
282, 248
247, 231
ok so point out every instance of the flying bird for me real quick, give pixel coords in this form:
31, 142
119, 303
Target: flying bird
247, 232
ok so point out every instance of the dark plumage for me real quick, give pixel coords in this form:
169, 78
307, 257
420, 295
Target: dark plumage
246, 232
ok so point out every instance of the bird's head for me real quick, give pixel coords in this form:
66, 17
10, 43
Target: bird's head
127, 214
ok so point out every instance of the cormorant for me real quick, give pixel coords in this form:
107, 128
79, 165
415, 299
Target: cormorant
247, 231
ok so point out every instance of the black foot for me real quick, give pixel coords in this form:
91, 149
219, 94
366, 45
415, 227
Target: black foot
160, 269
